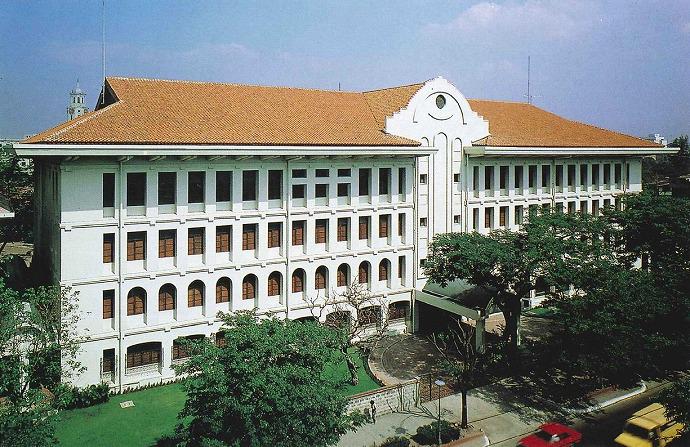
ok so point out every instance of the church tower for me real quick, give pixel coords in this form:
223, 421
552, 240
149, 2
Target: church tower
76, 105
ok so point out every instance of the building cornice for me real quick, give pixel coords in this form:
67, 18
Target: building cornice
550, 152
126, 150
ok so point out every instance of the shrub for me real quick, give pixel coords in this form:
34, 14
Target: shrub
395, 441
427, 434
68, 397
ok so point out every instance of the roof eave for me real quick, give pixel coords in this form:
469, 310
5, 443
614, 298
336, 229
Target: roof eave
120, 150
536, 151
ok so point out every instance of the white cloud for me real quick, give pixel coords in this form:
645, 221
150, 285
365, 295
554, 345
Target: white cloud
552, 19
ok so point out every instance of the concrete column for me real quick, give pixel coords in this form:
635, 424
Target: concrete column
210, 191
236, 205
152, 191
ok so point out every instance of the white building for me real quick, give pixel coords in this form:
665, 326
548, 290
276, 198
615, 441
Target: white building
76, 107
243, 197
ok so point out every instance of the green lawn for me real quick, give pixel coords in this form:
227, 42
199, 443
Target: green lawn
154, 414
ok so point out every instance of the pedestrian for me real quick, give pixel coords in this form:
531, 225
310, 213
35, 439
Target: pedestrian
373, 411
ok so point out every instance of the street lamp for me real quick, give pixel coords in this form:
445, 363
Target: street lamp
439, 383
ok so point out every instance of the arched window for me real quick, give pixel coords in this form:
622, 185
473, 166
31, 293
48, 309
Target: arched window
223, 288
195, 294
274, 281
363, 273
320, 278
179, 351
338, 319
369, 315
398, 310
143, 354
298, 281
343, 276
384, 270
166, 297
249, 287
136, 301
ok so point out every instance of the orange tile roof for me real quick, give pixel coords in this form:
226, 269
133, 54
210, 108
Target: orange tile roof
524, 125
147, 111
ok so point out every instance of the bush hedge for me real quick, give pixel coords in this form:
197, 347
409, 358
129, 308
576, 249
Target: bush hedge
428, 434
395, 441
68, 397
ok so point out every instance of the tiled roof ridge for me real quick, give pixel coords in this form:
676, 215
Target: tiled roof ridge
231, 84
86, 117
503, 101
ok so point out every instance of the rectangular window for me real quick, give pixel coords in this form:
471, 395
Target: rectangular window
275, 184
559, 175
223, 239
364, 227
195, 186
384, 225
195, 241
583, 176
249, 185
298, 191
166, 243
343, 189
364, 181
344, 172
136, 246
298, 232
423, 222
320, 231
595, 207
401, 267
519, 214
274, 235
595, 175
401, 225
571, 175
518, 177
617, 174
475, 219
488, 217
545, 176
583, 207
249, 237
456, 178
108, 248
475, 178
488, 178
136, 189
108, 360
223, 186
384, 181
343, 229
321, 191
502, 213
322, 172
503, 180
532, 176
607, 174
571, 207
167, 188
402, 180
108, 190
108, 304
299, 173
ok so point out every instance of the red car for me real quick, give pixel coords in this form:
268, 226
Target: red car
552, 434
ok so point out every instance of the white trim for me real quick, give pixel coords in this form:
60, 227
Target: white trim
516, 151
114, 150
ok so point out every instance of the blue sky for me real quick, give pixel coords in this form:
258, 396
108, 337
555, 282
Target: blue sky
623, 65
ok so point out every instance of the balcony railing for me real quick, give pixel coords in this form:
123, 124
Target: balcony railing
143, 370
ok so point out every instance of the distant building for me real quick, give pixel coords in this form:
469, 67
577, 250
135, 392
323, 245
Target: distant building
76, 105
657, 138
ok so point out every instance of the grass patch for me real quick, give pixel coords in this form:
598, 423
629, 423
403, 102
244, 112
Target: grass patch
155, 413
541, 312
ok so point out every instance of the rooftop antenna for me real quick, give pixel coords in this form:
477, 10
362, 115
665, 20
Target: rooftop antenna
338, 85
529, 97
103, 52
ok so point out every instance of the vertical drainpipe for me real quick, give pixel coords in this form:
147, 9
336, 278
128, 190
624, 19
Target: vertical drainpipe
415, 252
287, 236
119, 275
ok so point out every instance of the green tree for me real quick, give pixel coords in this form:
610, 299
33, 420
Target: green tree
682, 143
676, 400
264, 386
16, 185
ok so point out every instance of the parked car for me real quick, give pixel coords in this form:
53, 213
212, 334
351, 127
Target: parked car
552, 434
649, 427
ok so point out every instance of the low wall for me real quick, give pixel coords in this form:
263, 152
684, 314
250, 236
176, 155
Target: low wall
389, 399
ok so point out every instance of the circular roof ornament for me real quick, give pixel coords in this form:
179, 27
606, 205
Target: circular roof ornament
440, 101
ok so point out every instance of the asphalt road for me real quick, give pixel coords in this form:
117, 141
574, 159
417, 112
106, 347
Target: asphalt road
601, 428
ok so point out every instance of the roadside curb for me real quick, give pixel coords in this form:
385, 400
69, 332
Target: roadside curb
639, 390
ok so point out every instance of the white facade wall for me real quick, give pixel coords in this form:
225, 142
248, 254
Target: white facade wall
84, 221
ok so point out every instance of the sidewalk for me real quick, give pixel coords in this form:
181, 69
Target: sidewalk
504, 423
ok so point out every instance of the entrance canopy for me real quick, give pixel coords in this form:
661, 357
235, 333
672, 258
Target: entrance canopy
457, 297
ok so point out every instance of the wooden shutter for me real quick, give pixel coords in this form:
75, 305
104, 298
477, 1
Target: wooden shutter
136, 302
195, 241
298, 233
166, 298
343, 230
401, 225
195, 296
166, 243
108, 304
249, 237
502, 216
297, 282
342, 277
320, 232
274, 284
248, 291
223, 290
273, 235
383, 226
320, 279
222, 239
108, 247
363, 273
363, 227
136, 246
383, 271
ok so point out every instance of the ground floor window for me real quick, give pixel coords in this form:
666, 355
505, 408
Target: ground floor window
143, 354
399, 310
108, 360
